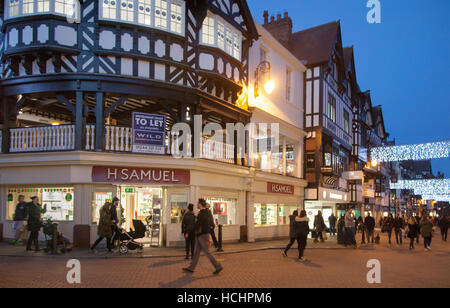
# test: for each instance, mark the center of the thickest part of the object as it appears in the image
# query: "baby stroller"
(62, 244)
(127, 239)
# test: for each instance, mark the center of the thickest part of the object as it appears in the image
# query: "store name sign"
(152, 176)
(280, 189)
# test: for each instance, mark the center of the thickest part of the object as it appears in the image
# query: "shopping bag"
(324, 236)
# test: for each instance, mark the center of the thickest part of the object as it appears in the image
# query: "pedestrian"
(418, 223)
(388, 225)
(350, 229)
(20, 219)
(443, 225)
(341, 237)
(104, 226)
(413, 231)
(213, 226)
(426, 229)
(115, 214)
(319, 226)
(359, 224)
(188, 230)
(203, 231)
(301, 227)
(398, 226)
(34, 224)
(332, 220)
(369, 227)
(292, 236)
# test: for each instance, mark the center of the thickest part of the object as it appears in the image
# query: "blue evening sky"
(404, 61)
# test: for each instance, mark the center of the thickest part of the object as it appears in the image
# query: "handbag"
(324, 236)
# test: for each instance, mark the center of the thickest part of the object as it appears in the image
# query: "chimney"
(266, 17)
(281, 28)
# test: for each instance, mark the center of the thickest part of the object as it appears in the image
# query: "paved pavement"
(263, 268)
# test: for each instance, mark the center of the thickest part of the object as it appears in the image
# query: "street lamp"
(261, 70)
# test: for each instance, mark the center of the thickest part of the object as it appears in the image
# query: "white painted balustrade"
(42, 139)
(218, 151)
(118, 139)
(90, 138)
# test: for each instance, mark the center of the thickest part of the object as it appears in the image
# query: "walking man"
(319, 226)
(188, 230)
(34, 222)
(213, 226)
(332, 220)
(203, 230)
(398, 226)
(369, 227)
(292, 235)
(350, 229)
(20, 217)
(443, 225)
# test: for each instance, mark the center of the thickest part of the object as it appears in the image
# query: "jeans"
(33, 239)
(202, 246)
(398, 234)
(444, 232)
(190, 243)
(332, 230)
(291, 242)
(108, 243)
(19, 228)
(411, 243)
(389, 235)
(370, 237)
(302, 240)
(427, 242)
(214, 239)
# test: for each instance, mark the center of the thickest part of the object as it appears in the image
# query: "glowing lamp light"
(374, 163)
(269, 86)
(56, 123)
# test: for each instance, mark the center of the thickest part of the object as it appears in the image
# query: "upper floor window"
(331, 110)
(167, 15)
(17, 8)
(288, 84)
(346, 121)
(218, 33)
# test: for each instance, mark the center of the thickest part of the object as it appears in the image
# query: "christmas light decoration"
(411, 152)
(438, 189)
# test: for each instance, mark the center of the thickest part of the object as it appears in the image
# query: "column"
(284, 156)
(99, 123)
(79, 121)
(250, 217)
(5, 131)
(298, 158)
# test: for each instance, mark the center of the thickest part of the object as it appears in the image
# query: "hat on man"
(115, 199)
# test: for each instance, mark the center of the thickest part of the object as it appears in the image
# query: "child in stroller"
(127, 239)
(62, 244)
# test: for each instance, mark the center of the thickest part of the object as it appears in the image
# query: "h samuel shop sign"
(280, 189)
(151, 176)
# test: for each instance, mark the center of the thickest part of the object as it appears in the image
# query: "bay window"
(216, 32)
(167, 15)
(67, 8)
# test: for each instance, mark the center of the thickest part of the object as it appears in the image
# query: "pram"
(62, 244)
(127, 239)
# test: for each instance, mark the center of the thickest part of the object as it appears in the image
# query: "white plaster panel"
(13, 37)
(27, 35)
(176, 52)
(127, 66)
(160, 48)
(206, 61)
(160, 72)
(127, 42)
(65, 35)
(42, 33)
(107, 39)
(144, 69)
(144, 45)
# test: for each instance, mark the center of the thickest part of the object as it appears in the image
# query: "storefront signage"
(149, 133)
(150, 176)
(280, 189)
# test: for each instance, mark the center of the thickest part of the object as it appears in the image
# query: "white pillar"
(284, 156)
(250, 217)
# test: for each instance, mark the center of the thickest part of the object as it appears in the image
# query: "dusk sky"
(404, 61)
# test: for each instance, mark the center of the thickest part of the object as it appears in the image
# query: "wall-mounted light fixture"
(263, 70)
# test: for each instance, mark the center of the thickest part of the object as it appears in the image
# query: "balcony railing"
(42, 139)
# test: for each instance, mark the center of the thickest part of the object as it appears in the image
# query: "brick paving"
(252, 269)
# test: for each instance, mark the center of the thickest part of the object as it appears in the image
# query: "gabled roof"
(315, 45)
(348, 56)
(378, 119)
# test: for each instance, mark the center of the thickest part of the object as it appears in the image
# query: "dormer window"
(216, 32)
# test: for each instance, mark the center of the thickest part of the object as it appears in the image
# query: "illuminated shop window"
(59, 201)
(224, 210)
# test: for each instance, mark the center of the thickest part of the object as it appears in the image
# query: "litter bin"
(82, 236)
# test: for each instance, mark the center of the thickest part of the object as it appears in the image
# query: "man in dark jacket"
(34, 222)
(20, 218)
(203, 229)
(292, 235)
(443, 225)
(319, 226)
(369, 227)
(213, 226)
(398, 226)
(332, 220)
(188, 230)
(301, 227)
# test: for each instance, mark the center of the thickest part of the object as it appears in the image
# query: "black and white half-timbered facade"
(72, 74)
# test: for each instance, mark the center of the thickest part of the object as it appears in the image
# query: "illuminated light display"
(438, 189)
(411, 152)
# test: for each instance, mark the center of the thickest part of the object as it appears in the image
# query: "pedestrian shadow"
(182, 282)
(166, 263)
(312, 264)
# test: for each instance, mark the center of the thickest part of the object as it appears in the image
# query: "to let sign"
(151, 176)
(280, 189)
(149, 132)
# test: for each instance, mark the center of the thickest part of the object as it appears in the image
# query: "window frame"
(331, 108)
(51, 9)
(346, 121)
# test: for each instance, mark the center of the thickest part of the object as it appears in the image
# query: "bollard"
(1, 232)
(219, 249)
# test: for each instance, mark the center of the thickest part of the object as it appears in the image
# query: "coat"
(34, 217)
(388, 224)
(319, 224)
(203, 223)
(301, 227)
(332, 220)
(105, 222)
(188, 223)
(369, 223)
(426, 228)
(413, 230)
(291, 226)
(443, 223)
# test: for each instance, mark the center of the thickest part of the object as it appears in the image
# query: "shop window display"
(224, 210)
(265, 214)
(99, 199)
(179, 205)
(284, 211)
(59, 201)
